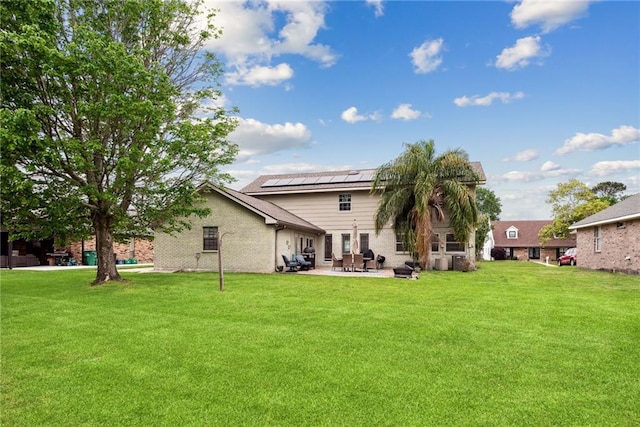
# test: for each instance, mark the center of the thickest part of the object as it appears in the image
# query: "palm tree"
(420, 186)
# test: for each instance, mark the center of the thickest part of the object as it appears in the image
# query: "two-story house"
(321, 207)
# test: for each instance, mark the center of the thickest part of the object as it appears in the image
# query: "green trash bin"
(91, 257)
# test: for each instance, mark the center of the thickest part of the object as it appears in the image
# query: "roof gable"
(272, 213)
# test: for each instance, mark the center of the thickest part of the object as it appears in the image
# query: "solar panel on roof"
(324, 180)
(353, 178)
(339, 178)
(367, 176)
(310, 180)
(270, 183)
(296, 181)
(284, 181)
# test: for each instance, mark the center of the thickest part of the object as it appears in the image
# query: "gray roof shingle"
(629, 208)
(266, 209)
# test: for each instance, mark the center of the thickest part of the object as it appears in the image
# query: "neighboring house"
(489, 243)
(520, 240)
(334, 200)
(253, 233)
(610, 239)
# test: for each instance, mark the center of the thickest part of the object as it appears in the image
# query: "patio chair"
(304, 264)
(291, 265)
(335, 262)
(347, 262)
(358, 262)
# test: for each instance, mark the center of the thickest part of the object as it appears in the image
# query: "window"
(400, 246)
(328, 246)
(344, 202)
(619, 225)
(597, 239)
(453, 245)
(435, 243)
(534, 253)
(512, 233)
(364, 242)
(346, 243)
(210, 238)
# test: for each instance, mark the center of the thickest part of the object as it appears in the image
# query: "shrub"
(498, 254)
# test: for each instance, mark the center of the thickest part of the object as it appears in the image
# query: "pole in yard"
(220, 269)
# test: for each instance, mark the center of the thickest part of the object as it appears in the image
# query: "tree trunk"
(104, 248)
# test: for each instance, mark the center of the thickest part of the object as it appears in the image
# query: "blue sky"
(539, 92)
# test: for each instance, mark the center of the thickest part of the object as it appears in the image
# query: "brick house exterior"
(254, 234)
(138, 248)
(610, 239)
(520, 240)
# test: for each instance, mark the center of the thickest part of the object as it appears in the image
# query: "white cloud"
(485, 101)
(623, 135)
(521, 54)
(350, 115)
(548, 171)
(549, 166)
(255, 32)
(260, 75)
(614, 167)
(405, 112)
(523, 156)
(426, 57)
(256, 138)
(549, 14)
(377, 6)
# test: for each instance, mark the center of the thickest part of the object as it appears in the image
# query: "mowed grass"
(513, 343)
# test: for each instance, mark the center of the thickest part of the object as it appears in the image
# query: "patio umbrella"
(354, 238)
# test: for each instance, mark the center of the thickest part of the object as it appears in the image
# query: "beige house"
(253, 233)
(610, 239)
(289, 214)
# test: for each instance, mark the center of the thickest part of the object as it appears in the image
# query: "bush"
(498, 254)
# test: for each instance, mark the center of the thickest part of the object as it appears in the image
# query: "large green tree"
(104, 128)
(609, 190)
(421, 186)
(488, 203)
(570, 202)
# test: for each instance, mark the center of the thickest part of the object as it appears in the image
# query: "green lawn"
(513, 343)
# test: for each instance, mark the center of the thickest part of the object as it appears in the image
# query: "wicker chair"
(358, 262)
(336, 262)
(347, 262)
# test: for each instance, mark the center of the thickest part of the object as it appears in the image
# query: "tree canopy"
(104, 126)
(420, 186)
(570, 202)
(488, 203)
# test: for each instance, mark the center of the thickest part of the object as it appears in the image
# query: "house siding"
(247, 246)
(322, 210)
(616, 245)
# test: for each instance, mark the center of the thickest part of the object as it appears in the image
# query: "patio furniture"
(347, 262)
(380, 260)
(403, 272)
(291, 265)
(304, 264)
(358, 262)
(335, 262)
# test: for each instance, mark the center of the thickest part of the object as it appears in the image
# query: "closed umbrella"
(354, 238)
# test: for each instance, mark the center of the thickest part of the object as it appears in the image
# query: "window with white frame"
(512, 233)
(452, 245)
(344, 202)
(435, 243)
(400, 246)
(597, 239)
(346, 243)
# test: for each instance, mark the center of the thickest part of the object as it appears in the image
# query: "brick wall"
(248, 245)
(140, 249)
(620, 248)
